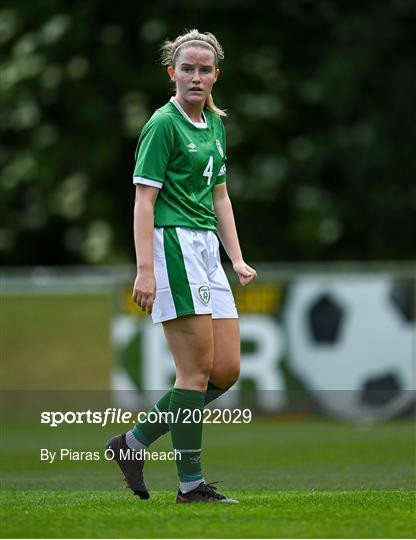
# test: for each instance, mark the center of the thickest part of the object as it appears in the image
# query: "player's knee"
(206, 368)
(227, 377)
(199, 380)
(195, 380)
(232, 376)
(202, 371)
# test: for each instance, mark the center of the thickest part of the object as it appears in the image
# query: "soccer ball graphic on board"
(351, 342)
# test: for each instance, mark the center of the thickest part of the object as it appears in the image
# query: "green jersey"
(185, 160)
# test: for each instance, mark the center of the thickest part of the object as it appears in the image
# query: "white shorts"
(189, 276)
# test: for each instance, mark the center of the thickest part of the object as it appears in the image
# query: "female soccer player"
(181, 201)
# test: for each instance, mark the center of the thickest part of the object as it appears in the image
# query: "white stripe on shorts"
(163, 307)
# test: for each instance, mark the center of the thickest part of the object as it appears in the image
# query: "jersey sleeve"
(222, 173)
(153, 152)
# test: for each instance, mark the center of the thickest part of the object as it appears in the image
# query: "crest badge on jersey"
(204, 294)
(220, 150)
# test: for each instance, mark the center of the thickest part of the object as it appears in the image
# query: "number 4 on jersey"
(208, 169)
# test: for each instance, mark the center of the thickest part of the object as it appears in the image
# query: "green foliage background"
(321, 126)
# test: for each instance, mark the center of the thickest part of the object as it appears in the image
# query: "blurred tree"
(321, 126)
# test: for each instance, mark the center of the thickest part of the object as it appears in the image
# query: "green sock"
(213, 392)
(147, 433)
(186, 431)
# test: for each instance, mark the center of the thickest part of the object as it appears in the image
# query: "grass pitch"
(316, 478)
(260, 514)
(294, 479)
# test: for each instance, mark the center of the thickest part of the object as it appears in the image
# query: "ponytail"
(210, 105)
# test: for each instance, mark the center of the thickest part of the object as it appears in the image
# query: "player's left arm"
(227, 233)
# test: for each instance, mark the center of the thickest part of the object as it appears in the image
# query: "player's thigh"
(191, 341)
(226, 366)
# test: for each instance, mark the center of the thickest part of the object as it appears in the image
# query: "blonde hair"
(197, 39)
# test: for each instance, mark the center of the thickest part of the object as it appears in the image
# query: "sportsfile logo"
(113, 415)
(192, 147)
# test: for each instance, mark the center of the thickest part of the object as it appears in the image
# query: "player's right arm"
(144, 290)
(152, 156)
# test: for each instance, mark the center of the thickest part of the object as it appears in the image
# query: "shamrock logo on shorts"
(204, 294)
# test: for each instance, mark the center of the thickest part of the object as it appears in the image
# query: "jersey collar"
(199, 125)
